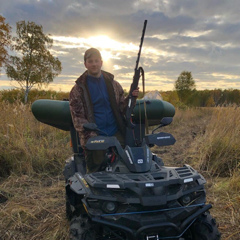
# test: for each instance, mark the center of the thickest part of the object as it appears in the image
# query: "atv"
(134, 196)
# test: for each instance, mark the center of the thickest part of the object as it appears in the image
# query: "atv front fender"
(78, 184)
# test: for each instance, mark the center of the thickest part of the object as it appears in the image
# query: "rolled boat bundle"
(56, 113)
(155, 110)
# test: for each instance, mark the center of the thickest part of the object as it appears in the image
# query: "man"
(97, 97)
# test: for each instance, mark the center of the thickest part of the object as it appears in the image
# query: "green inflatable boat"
(56, 113)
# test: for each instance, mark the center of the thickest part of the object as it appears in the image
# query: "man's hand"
(135, 92)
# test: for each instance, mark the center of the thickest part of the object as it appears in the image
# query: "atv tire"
(81, 228)
(69, 213)
(78, 207)
(204, 228)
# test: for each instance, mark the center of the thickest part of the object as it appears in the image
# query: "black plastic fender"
(78, 184)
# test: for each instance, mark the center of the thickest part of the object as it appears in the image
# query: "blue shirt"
(102, 110)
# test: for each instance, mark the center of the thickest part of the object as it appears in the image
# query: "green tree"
(5, 40)
(184, 86)
(36, 65)
(210, 102)
(217, 95)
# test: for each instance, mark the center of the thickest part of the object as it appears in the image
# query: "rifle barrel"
(141, 43)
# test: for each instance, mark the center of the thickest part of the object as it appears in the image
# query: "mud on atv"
(135, 197)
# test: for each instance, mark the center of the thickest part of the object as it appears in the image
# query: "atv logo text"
(98, 141)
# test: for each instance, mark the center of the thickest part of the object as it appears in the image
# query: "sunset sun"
(108, 46)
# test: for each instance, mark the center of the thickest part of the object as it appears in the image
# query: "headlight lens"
(186, 199)
(109, 207)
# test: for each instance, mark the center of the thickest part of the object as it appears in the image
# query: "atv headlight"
(185, 200)
(193, 198)
(109, 207)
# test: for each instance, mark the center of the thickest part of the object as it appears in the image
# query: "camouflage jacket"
(82, 109)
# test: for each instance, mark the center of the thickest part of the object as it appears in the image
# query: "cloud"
(197, 36)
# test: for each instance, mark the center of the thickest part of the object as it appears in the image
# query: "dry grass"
(199, 134)
(216, 154)
(226, 204)
(27, 146)
(32, 156)
(218, 148)
(186, 127)
(35, 208)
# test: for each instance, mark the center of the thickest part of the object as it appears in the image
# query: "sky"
(199, 36)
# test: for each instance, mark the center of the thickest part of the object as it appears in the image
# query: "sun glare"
(106, 55)
(104, 42)
(109, 48)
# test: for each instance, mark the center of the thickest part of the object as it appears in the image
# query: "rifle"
(129, 139)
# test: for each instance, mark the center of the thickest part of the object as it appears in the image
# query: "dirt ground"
(33, 207)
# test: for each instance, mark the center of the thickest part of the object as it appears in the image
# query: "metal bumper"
(152, 228)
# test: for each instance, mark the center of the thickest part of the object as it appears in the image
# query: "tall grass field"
(32, 157)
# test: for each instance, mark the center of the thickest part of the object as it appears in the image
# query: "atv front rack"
(148, 189)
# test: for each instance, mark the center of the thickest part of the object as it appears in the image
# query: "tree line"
(203, 98)
(187, 95)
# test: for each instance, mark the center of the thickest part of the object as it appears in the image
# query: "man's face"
(93, 65)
